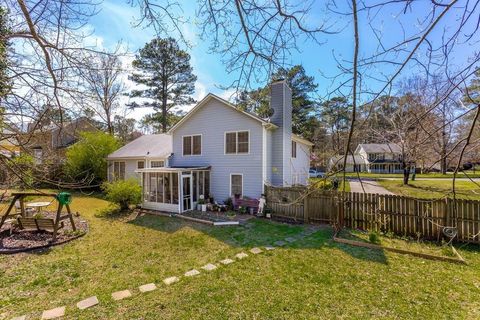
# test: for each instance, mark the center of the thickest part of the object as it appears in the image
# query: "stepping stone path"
(53, 313)
(119, 295)
(209, 267)
(241, 255)
(227, 261)
(87, 303)
(192, 273)
(256, 250)
(280, 243)
(147, 287)
(290, 239)
(269, 248)
(171, 280)
(20, 318)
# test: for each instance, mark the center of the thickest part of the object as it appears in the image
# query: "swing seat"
(38, 224)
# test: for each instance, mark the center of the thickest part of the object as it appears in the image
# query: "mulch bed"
(216, 216)
(22, 240)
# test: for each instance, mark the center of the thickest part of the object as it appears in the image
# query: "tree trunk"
(406, 173)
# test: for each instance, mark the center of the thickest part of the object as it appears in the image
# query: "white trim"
(264, 157)
(230, 183)
(236, 141)
(191, 145)
(223, 101)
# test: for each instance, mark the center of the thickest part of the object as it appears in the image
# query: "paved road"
(368, 185)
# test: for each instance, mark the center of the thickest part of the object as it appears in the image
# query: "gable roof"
(300, 139)
(224, 102)
(380, 147)
(147, 146)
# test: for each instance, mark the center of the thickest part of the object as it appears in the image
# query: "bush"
(374, 237)
(87, 159)
(123, 192)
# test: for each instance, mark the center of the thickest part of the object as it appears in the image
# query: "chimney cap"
(279, 80)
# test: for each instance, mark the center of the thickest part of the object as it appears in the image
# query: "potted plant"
(201, 204)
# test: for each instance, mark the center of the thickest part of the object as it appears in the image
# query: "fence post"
(306, 210)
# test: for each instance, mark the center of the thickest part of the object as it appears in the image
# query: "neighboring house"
(371, 157)
(9, 148)
(217, 151)
(50, 142)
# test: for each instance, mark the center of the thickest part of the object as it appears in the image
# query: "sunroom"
(174, 189)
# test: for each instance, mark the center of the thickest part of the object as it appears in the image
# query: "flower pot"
(199, 207)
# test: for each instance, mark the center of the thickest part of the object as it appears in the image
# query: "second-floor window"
(237, 142)
(192, 145)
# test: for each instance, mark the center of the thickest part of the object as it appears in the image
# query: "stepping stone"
(226, 261)
(20, 318)
(192, 273)
(147, 287)
(280, 243)
(171, 280)
(119, 295)
(209, 267)
(53, 313)
(290, 239)
(87, 303)
(241, 255)
(269, 248)
(256, 250)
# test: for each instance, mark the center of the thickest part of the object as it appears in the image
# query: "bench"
(247, 203)
(37, 224)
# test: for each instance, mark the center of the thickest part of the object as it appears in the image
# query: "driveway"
(369, 186)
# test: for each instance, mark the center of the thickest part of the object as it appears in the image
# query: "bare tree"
(104, 86)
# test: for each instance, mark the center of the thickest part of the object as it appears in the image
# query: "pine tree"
(165, 70)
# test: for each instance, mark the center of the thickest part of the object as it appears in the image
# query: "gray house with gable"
(216, 150)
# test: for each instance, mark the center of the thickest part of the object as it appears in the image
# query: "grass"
(418, 175)
(340, 188)
(312, 278)
(432, 189)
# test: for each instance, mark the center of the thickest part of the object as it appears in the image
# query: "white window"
(294, 149)
(236, 184)
(192, 145)
(118, 170)
(157, 164)
(140, 164)
(237, 142)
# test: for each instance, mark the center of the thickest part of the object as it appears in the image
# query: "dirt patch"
(19, 240)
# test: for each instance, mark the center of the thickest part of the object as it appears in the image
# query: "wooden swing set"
(31, 223)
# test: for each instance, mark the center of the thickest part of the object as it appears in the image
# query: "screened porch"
(174, 189)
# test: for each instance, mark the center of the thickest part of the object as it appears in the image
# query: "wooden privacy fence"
(428, 219)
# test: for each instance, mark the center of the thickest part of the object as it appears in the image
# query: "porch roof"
(172, 169)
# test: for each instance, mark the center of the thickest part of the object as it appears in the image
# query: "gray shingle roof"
(147, 146)
(380, 147)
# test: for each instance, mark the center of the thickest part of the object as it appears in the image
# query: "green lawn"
(313, 278)
(425, 175)
(430, 189)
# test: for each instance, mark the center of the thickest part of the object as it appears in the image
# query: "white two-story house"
(216, 151)
(371, 157)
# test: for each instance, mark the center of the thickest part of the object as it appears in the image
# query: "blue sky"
(115, 22)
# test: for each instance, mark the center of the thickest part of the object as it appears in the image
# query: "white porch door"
(186, 192)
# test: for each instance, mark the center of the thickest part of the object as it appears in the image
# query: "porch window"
(294, 149)
(118, 170)
(236, 184)
(157, 164)
(237, 142)
(192, 145)
(161, 187)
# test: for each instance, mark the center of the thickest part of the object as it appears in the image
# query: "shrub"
(87, 159)
(123, 192)
(374, 237)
